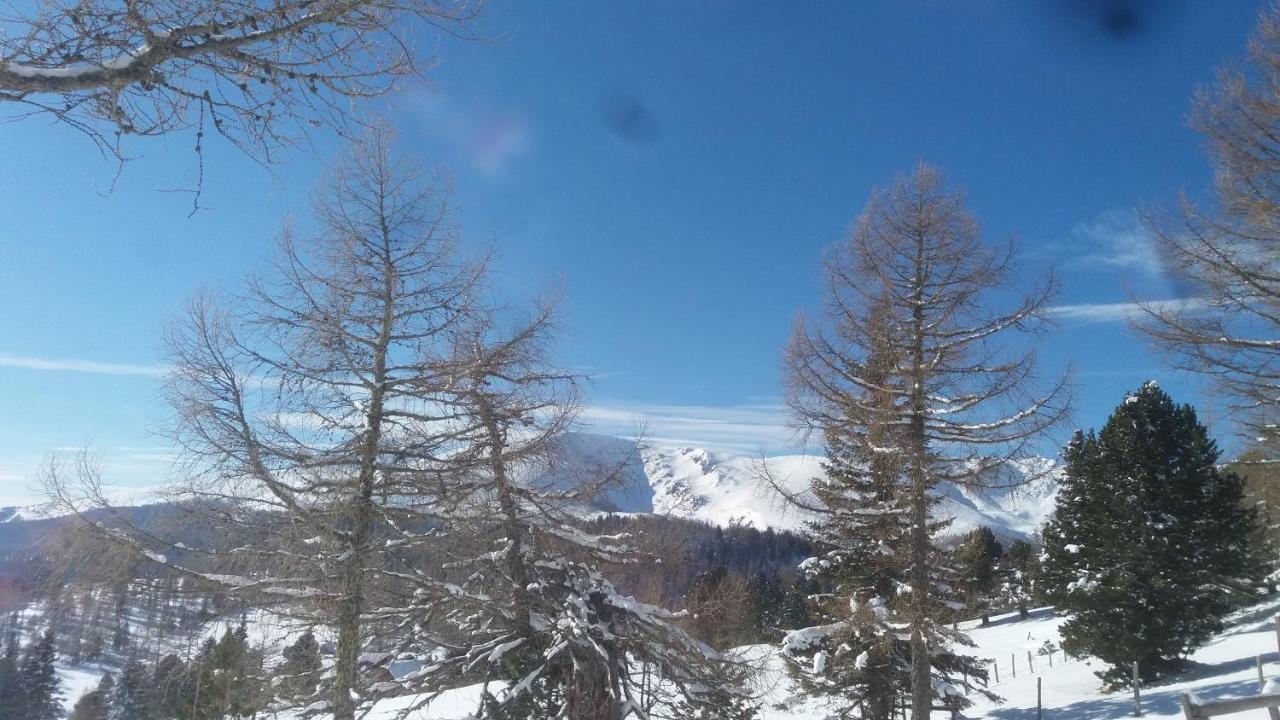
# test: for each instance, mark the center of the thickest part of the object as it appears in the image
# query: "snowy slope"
(723, 487)
(1225, 668)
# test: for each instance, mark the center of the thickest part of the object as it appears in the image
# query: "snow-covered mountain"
(723, 487)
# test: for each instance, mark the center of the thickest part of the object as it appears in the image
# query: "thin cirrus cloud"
(1088, 313)
(1116, 240)
(746, 428)
(77, 365)
(753, 428)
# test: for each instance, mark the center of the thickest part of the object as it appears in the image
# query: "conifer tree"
(352, 332)
(230, 688)
(916, 378)
(793, 612)
(93, 644)
(203, 698)
(765, 597)
(41, 688)
(301, 665)
(977, 556)
(11, 693)
(1149, 547)
(1018, 574)
(131, 699)
(171, 688)
(120, 626)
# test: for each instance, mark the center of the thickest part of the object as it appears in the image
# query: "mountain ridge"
(723, 487)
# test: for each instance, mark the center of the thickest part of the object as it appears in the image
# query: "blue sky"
(681, 166)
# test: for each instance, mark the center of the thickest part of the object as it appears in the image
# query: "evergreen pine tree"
(793, 612)
(230, 689)
(41, 689)
(120, 628)
(75, 649)
(93, 645)
(977, 556)
(857, 651)
(1150, 545)
(301, 666)
(1018, 573)
(171, 688)
(203, 702)
(765, 595)
(131, 699)
(11, 699)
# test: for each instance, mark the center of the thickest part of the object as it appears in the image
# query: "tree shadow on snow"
(1155, 701)
(1012, 619)
(1255, 619)
(1197, 671)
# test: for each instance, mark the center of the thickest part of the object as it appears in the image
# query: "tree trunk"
(510, 508)
(921, 689)
(346, 663)
(350, 606)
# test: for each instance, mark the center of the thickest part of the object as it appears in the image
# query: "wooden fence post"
(1137, 693)
(1188, 709)
(996, 666)
(1278, 633)
(1031, 666)
(1051, 658)
(1013, 664)
(1039, 704)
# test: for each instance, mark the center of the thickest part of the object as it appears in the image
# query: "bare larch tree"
(1228, 249)
(308, 407)
(260, 73)
(915, 379)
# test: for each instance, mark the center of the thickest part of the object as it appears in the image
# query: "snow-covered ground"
(1225, 668)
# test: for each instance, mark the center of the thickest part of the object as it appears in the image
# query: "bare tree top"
(1225, 249)
(917, 303)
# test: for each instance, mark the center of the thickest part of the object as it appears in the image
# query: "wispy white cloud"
(1087, 313)
(749, 428)
(1116, 239)
(28, 362)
